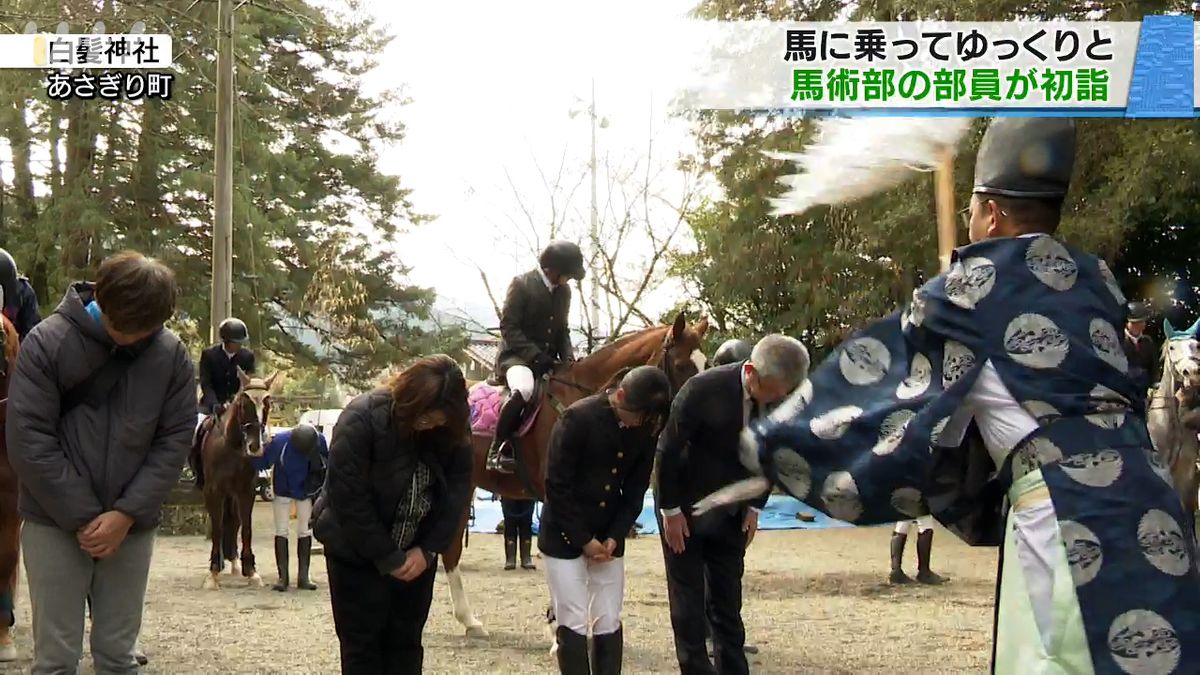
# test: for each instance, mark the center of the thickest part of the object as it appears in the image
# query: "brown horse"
(228, 449)
(10, 520)
(674, 348)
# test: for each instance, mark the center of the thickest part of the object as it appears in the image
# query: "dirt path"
(814, 603)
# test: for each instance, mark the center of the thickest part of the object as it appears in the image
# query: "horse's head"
(1182, 355)
(681, 354)
(251, 409)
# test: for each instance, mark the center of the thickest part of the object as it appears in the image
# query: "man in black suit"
(534, 336)
(698, 454)
(219, 381)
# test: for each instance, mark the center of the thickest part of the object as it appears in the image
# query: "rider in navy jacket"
(298, 458)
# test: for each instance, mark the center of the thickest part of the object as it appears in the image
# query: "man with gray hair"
(698, 452)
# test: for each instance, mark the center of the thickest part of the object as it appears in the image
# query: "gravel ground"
(815, 602)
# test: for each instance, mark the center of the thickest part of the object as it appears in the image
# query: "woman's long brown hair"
(432, 383)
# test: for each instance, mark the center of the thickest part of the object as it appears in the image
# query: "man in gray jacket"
(101, 411)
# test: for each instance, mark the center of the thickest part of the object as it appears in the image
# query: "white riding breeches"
(281, 508)
(924, 524)
(586, 594)
(520, 379)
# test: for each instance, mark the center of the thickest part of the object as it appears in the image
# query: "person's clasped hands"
(103, 536)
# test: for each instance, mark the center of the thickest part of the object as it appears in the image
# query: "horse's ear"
(679, 327)
(270, 382)
(702, 326)
(243, 377)
(1169, 330)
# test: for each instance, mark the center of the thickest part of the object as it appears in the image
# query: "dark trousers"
(518, 517)
(379, 620)
(714, 554)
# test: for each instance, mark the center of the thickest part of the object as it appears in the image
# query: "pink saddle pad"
(486, 401)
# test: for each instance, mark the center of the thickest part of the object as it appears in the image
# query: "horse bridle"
(248, 427)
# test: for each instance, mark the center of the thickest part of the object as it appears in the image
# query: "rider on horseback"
(20, 303)
(534, 337)
(219, 381)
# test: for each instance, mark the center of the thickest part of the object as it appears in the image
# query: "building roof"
(483, 350)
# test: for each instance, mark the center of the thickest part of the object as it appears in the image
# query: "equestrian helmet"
(8, 278)
(732, 351)
(234, 330)
(565, 258)
(647, 390)
(1139, 311)
(303, 438)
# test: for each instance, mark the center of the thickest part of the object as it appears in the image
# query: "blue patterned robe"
(860, 439)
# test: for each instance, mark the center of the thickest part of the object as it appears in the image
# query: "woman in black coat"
(600, 458)
(398, 482)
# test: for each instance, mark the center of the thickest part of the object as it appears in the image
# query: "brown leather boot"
(510, 552)
(924, 548)
(526, 553)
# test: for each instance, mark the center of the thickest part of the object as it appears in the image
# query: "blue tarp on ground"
(780, 514)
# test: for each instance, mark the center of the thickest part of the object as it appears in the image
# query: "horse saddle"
(486, 400)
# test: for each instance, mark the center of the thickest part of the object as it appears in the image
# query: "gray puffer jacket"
(124, 455)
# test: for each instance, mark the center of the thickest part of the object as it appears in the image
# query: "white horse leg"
(212, 581)
(8, 650)
(254, 581)
(462, 607)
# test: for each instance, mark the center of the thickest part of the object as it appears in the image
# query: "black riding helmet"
(234, 330)
(732, 351)
(647, 390)
(1139, 311)
(8, 278)
(565, 258)
(304, 439)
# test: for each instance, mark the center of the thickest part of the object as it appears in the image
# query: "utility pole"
(222, 256)
(595, 232)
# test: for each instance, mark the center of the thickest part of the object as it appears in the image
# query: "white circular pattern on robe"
(794, 472)
(1040, 410)
(794, 404)
(1110, 280)
(891, 431)
(1035, 341)
(907, 500)
(1051, 263)
(1034, 454)
(957, 361)
(1094, 469)
(1108, 345)
(1163, 544)
(840, 494)
(935, 437)
(1144, 643)
(833, 424)
(916, 310)
(1108, 408)
(920, 376)
(970, 281)
(1083, 551)
(865, 361)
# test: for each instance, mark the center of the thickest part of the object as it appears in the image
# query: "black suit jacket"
(597, 475)
(218, 375)
(698, 448)
(533, 325)
(1143, 356)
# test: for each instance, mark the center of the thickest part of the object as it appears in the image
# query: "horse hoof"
(8, 652)
(233, 569)
(477, 633)
(211, 583)
(254, 581)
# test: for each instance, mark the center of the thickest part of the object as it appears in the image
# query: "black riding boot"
(281, 563)
(898, 576)
(510, 551)
(572, 652)
(606, 653)
(924, 548)
(500, 455)
(304, 556)
(526, 557)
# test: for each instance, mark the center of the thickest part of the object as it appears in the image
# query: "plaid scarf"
(413, 507)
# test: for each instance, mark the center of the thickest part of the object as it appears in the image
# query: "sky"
(493, 95)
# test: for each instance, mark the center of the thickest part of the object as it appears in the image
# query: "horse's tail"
(230, 523)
